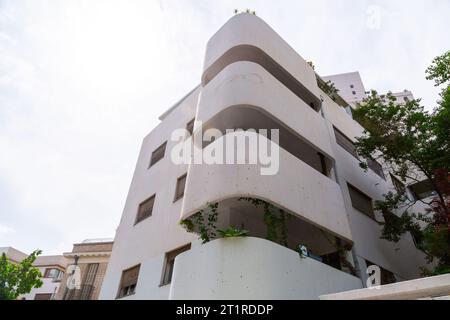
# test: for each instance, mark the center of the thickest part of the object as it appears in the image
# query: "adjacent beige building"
(87, 262)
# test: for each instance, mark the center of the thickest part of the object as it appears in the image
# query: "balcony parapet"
(247, 83)
(253, 268)
(248, 38)
(296, 187)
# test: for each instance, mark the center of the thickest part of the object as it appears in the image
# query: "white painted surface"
(253, 268)
(247, 83)
(296, 187)
(437, 287)
(247, 29)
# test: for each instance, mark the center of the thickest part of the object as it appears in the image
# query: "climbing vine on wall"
(329, 88)
(204, 222)
(342, 251)
(275, 220)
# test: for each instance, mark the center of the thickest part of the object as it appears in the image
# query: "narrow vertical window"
(190, 126)
(170, 262)
(179, 190)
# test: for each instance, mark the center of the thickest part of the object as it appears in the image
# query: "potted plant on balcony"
(233, 232)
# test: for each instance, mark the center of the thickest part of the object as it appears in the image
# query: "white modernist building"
(321, 198)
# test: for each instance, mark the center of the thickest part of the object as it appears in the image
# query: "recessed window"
(352, 86)
(376, 167)
(145, 209)
(190, 126)
(128, 282)
(361, 202)
(179, 190)
(345, 142)
(398, 185)
(158, 154)
(354, 93)
(53, 273)
(386, 276)
(170, 262)
(43, 296)
(89, 280)
(422, 190)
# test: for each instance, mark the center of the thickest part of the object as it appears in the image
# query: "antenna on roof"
(253, 12)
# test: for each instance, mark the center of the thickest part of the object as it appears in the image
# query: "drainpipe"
(66, 290)
(357, 267)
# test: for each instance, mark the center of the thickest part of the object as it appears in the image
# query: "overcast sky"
(82, 82)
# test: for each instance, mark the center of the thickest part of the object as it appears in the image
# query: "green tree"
(18, 279)
(414, 145)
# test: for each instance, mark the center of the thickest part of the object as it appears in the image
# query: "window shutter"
(130, 276)
(376, 167)
(145, 209)
(181, 182)
(361, 202)
(345, 142)
(158, 154)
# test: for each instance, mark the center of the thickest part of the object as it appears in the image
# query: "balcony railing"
(83, 293)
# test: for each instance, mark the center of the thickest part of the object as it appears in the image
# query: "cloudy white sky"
(82, 82)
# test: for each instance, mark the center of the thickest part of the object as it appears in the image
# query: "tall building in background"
(52, 269)
(352, 90)
(89, 259)
(330, 232)
(350, 86)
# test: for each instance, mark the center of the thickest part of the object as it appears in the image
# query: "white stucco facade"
(252, 77)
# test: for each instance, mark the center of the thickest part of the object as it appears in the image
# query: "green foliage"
(232, 232)
(394, 226)
(203, 222)
(274, 218)
(18, 279)
(439, 71)
(329, 88)
(413, 144)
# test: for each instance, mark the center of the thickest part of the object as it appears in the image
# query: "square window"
(128, 281)
(361, 202)
(145, 209)
(345, 142)
(376, 167)
(158, 154)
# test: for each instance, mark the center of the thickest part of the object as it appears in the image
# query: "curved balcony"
(252, 268)
(249, 84)
(248, 38)
(296, 187)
